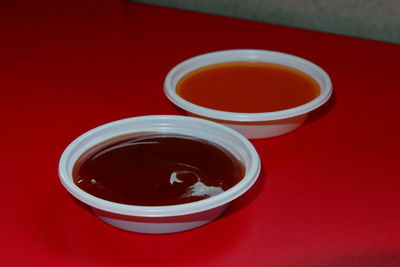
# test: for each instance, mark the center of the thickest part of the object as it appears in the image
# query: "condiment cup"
(162, 219)
(251, 125)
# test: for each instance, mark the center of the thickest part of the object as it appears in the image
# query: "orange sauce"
(247, 87)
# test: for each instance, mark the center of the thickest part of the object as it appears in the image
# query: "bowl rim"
(251, 174)
(186, 66)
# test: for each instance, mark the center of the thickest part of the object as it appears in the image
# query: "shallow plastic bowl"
(251, 125)
(162, 219)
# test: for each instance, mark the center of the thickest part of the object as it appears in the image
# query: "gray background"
(370, 19)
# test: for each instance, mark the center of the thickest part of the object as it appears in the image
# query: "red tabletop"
(328, 194)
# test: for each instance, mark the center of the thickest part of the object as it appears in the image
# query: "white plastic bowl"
(251, 125)
(162, 219)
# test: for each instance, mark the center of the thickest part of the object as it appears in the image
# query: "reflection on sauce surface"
(153, 169)
(247, 87)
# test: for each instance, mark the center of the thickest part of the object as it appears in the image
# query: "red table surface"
(328, 194)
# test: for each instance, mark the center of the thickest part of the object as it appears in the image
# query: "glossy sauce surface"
(247, 87)
(153, 169)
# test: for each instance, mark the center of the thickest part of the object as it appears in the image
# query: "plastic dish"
(162, 219)
(251, 125)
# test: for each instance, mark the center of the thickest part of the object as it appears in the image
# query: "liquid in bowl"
(156, 169)
(247, 87)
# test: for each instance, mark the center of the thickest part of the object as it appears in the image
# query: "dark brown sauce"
(155, 169)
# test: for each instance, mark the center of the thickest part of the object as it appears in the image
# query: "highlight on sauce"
(247, 87)
(156, 169)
